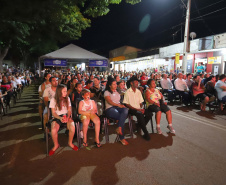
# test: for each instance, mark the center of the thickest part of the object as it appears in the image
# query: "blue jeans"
(119, 114)
(224, 99)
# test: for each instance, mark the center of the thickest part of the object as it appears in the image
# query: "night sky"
(152, 23)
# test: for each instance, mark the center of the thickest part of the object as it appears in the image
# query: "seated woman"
(2, 94)
(121, 89)
(61, 113)
(88, 109)
(9, 88)
(198, 91)
(155, 103)
(114, 109)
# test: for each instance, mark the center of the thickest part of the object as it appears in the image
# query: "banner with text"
(214, 60)
(98, 63)
(55, 62)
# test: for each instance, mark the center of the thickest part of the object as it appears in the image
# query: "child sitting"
(88, 109)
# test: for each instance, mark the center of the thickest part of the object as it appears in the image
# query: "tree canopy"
(37, 26)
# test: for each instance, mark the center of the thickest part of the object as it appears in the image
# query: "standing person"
(114, 109)
(88, 109)
(61, 112)
(199, 68)
(133, 99)
(155, 103)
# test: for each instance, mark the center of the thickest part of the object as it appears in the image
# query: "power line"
(207, 6)
(204, 22)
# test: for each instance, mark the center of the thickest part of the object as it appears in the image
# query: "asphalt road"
(196, 154)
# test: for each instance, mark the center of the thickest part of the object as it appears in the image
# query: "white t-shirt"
(64, 107)
(18, 81)
(220, 92)
(115, 97)
(22, 79)
(49, 93)
(14, 84)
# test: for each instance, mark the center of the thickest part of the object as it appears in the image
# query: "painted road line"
(212, 124)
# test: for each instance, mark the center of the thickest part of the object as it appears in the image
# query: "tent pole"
(39, 66)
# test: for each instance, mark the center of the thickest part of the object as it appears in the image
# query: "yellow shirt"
(154, 96)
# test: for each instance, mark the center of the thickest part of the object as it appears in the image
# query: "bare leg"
(158, 118)
(169, 117)
(71, 127)
(85, 123)
(54, 131)
(45, 120)
(96, 121)
(205, 101)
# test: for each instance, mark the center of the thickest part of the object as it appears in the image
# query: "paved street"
(195, 155)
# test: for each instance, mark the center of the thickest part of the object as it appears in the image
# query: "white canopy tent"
(71, 52)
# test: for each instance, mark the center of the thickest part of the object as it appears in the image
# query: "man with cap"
(134, 101)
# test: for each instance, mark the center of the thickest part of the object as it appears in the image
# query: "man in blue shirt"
(200, 69)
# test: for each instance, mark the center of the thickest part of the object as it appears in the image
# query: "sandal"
(85, 144)
(98, 145)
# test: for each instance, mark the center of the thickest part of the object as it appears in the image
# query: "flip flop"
(98, 145)
(85, 144)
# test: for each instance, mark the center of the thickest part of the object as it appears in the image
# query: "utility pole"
(186, 36)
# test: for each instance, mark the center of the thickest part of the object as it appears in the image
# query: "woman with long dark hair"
(61, 113)
(114, 109)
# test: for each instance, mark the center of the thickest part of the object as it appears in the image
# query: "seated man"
(182, 89)
(189, 80)
(167, 87)
(198, 91)
(133, 100)
(221, 89)
(48, 94)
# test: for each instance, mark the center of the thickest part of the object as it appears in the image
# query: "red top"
(6, 85)
(201, 89)
(144, 80)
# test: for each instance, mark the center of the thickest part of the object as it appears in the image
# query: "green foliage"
(37, 26)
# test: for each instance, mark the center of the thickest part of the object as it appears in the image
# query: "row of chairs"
(16, 95)
(104, 126)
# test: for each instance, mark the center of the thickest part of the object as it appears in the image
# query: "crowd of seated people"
(12, 84)
(118, 95)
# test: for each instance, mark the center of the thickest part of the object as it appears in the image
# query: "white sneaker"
(171, 129)
(81, 134)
